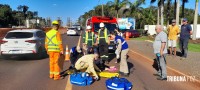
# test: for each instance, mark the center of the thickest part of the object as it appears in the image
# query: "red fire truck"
(109, 22)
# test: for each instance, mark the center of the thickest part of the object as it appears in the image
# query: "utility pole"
(102, 10)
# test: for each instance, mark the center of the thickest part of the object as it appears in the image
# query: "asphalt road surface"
(28, 74)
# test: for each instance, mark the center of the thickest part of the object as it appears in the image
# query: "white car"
(72, 31)
(23, 42)
(78, 27)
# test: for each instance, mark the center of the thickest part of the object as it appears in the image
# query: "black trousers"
(103, 51)
(184, 46)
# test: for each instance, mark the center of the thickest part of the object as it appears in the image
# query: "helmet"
(88, 27)
(101, 25)
(55, 22)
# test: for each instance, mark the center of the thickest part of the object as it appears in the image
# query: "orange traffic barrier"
(67, 54)
(127, 36)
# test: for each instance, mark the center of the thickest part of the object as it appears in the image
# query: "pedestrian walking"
(89, 40)
(173, 31)
(160, 50)
(122, 50)
(53, 45)
(87, 62)
(103, 42)
(186, 31)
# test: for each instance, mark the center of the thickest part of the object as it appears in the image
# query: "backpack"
(81, 79)
(116, 83)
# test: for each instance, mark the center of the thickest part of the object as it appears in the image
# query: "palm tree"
(177, 12)
(25, 9)
(19, 14)
(195, 20)
(134, 7)
(20, 8)
(160, 11)
(117, 5)
(35, 14)
(174, 9)
(168, 11)
(183, 7)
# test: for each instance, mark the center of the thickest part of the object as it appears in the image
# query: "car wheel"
(39, 54)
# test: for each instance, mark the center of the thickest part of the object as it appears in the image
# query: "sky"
(68, 8)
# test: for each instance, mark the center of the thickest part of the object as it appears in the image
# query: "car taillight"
(3, 41)
(31, 41)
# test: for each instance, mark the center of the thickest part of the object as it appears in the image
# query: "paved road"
(33, 75)
(22, 74)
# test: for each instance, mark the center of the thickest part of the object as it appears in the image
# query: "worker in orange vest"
(53, 45)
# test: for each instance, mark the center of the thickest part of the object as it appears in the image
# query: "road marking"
(138, 54)
(68, 85)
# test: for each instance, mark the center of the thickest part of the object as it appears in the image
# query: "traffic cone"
(67, 54)
(127, 36)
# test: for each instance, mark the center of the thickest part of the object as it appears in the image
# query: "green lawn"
(192, 47)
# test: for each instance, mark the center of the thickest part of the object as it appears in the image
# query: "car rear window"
(19, 35)
(72, 28)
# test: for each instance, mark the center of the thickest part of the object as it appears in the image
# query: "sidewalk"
(190, 66)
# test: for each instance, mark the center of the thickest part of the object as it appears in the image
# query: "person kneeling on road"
(87, 62)
(122, 49)
(75, 54)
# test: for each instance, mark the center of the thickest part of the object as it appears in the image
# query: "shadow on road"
(178, 53)
(131, 67)
(24, 58)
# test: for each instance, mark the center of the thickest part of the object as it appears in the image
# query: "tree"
(25, 9)
(195, 20)
(183, 7)
(158, 10)
(35, 14)
(117, 5)
(5, 15)
(29, 14)
(168, 11)
(143, 16)
(134, 8)
(177, 12)
(20, 8)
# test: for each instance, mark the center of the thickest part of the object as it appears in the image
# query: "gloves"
(116, 52)
(96, 78)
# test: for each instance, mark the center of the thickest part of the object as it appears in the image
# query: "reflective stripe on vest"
(52, 41)
(87, 38)
(105, 35)
(124, 42)
(55, 73)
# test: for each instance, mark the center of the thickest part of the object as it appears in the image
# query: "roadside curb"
(175, 71)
